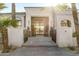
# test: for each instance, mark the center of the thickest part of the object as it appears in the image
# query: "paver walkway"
(40, 41)
(39, 46)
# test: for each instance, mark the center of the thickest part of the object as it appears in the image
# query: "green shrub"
(76, 34)
(14, 23)
(6, 22)
(26, 34)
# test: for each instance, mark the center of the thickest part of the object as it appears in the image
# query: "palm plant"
(13, 11)
(2, 6)
(7, 22)
(4, 24)
(75, 17)
(62, 7)
(74, 13)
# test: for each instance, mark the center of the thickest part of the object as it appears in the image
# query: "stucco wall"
(15, 36)
(65, 34)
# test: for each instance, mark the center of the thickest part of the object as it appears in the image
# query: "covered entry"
(39, 25)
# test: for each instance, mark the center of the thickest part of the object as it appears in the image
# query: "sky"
(20, 6)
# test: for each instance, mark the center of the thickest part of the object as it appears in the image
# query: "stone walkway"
(40, 46)
(39, 41)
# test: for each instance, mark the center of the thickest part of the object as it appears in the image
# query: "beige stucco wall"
(65, 34)
(15, 36)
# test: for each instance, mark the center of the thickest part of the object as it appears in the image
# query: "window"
(68, 23)
(65, 23)
(19, 21)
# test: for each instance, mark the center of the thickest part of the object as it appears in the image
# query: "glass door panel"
(39, 28)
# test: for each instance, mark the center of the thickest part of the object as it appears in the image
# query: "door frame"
(40, 17)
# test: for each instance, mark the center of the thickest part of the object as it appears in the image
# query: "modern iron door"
(39, 25)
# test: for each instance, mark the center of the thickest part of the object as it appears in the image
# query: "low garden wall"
(15, 36)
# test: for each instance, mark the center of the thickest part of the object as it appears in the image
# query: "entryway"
(39, 25)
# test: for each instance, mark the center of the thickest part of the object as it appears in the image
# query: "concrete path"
(39, 41)
(40, 46)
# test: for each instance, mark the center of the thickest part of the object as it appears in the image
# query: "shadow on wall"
(53, 34)
(25, 32)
